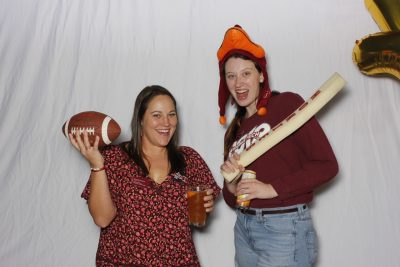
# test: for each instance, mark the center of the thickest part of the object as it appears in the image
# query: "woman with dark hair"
(136, 191)
(277, 228)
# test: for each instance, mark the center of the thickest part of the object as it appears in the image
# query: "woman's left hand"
(209, 200)
(255, 189)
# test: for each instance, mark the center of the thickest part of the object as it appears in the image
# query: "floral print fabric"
(151, 227)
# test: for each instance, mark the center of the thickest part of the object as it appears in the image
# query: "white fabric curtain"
(59, 58)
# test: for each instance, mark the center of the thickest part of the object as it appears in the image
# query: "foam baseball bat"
(290, 124)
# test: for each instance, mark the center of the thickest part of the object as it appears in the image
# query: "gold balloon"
(379, 54)
(386, 13)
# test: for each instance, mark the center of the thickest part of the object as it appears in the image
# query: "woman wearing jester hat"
(277, 228)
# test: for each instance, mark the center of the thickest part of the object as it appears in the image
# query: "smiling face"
(159, 122)
(243, 81)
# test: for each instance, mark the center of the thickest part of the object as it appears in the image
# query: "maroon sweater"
(294, 167)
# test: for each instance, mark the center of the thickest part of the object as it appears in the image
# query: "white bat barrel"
(291, 123)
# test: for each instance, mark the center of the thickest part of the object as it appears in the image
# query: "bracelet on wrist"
(97, 169)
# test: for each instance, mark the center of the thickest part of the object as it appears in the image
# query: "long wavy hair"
(234, 126)
(134, 146)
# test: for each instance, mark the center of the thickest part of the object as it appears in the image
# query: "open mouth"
(164, 131)
(242, 94)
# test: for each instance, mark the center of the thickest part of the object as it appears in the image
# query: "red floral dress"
(151, 227)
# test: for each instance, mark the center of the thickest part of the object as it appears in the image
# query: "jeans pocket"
(279, 242)
(307, 241)
(312, 245)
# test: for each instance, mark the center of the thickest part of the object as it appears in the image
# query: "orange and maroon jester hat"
(236, 41)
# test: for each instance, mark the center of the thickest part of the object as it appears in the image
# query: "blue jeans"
(274, 240)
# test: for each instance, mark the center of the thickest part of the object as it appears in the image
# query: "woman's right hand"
(232, 165)
(229, 166)
(90, 153)
(100, 203)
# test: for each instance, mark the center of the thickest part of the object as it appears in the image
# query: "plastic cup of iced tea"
(196, 209)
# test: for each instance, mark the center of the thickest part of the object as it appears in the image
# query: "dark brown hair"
(231, 132)
(134, 146)
(233, 128)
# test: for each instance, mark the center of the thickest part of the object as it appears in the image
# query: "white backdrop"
(59, 57)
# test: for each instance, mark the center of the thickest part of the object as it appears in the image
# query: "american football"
(95, 123)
